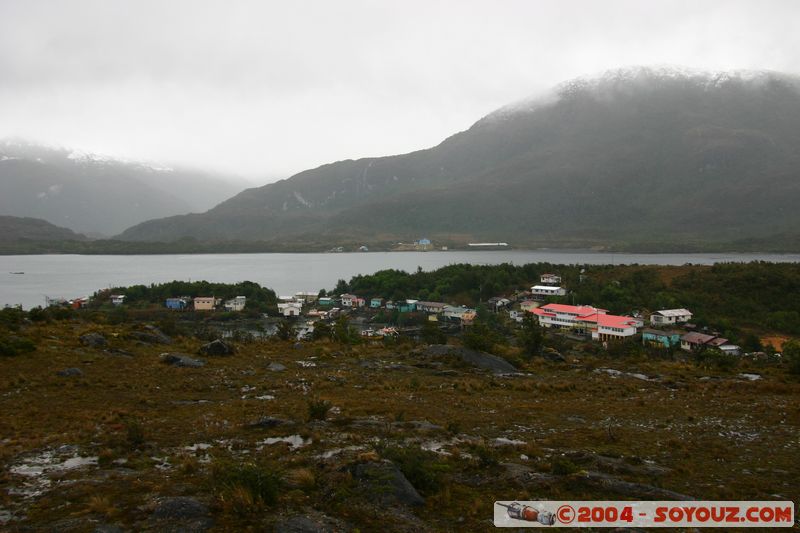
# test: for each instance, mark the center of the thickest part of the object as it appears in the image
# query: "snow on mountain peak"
(612, 80)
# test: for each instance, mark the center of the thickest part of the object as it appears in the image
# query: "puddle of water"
(46, 463)
(294, 441)
(750, 377)
(162, 463)
(197, 446)
(502, 441)
(36, 469)
(618, 373)
(336, 451)
(435, 447)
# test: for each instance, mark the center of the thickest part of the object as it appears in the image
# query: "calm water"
(70, 276)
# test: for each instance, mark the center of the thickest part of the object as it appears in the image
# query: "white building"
(348, 300)
(551, 279)
(585, 320)
(117, 299)
(544, 291)
(463, 314)
(236, 304)
(290, 308)
(666, 317)
(306, 297)
(431, 307)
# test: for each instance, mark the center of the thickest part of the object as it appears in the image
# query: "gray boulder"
(301, 524)
(180, 514)
(276, 367)
(182, 360)
(70, 372)
(152, 336)
(217, 347)
(607, 483)
(554, 356)
(266, 422)
(387, 484)
(107, 528)
(95, 340)
(496, 364)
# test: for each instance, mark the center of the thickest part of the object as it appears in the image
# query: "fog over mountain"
(266, 89)
(92, 194)
(640, 154)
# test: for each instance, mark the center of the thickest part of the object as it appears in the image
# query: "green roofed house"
(663, 338)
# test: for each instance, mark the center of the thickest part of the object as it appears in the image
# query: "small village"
(377, 317)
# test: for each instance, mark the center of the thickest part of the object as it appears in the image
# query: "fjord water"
(71, 276)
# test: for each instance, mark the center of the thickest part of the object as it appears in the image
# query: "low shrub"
(12, 345)
(245, 487)
(318, 409)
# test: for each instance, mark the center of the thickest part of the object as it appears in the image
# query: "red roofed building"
(586, 320)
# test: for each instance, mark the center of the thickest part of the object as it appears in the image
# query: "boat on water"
(16, 272)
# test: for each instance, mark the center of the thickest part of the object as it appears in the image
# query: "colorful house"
(177, 304)
(586, 320)
(695, 340)
(376, 303)
(408, 306)
(430, 307)
(657, 337)
(348, 300)
(204, 303)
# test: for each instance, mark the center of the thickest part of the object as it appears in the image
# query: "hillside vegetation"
(103, 431)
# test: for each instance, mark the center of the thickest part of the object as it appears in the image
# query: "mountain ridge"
(96, 194)
(631, 156)
(14, 229)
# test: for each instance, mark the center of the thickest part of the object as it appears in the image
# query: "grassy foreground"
(114, 440)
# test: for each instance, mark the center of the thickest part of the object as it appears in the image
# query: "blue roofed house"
(177, 304)
(657, 337)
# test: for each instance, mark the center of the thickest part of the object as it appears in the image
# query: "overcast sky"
(266, 89)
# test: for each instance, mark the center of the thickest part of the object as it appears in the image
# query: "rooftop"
(673, 312)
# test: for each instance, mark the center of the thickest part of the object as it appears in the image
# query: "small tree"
(480, 337)
(531, 336)
(343, 333)
(285, 331)
(431, 334)
(791, 353)
(321, 331)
